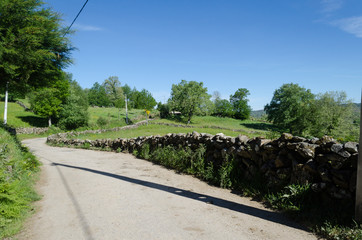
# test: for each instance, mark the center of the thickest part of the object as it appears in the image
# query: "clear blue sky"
(226, 44)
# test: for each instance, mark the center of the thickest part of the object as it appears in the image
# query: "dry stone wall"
(330, 167)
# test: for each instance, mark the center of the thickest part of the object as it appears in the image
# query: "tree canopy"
(187, 97)
(33, 48)
(239, 101)
(289, 108)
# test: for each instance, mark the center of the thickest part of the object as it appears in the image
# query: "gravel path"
(104, 195)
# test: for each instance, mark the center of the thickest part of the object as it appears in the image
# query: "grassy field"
(153, 129)
(18, 117)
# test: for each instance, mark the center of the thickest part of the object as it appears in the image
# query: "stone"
(351, 147)
(310, 166)
(285, 137)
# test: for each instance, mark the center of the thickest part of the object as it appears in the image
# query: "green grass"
(114, 117)
(153, 129)
(18, 117)
(18, 171)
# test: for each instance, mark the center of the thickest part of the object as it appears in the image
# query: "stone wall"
(330, 167)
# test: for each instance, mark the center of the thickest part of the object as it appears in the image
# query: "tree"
(187, 97)
(223, 108)
(97, 96)
(144, 100)
(74, 113)
(46, 102)
(331, 114)
(240, 105)
(114, 90)
(33, 47)
(289, 108)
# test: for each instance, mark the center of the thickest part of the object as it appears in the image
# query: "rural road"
(104, 195)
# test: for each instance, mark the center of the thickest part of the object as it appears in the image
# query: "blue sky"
(226, 44)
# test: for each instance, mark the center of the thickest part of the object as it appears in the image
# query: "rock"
(310, 166)
(319, 187)
(242, 139)
(336, 148)
(298, 139)
(351, 147)
(285, 137)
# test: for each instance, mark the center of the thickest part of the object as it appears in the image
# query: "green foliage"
(291, 198)
(187, 97)
(164, 110)
(97, 96)
(101, 121)
(17, 169)
(33, 47)
(143, 99)
(239, 101)
(74, 113)
(289, 108)
(331, 114)
(46, 102)
(223, 108)
(114, 91)
(335, 232)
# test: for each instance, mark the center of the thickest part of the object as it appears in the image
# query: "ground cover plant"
(18, 170)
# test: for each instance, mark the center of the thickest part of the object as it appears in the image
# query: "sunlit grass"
(18, 117)
(153, 129)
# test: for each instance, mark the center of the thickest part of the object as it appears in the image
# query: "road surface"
(105, 195)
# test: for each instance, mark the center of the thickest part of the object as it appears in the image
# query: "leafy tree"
(97, 96)
(144, 100)
(187, 97)
(331, 114)
(74, 113)
(240, 105)
(33, 48)
(164, 110)
(290, 107)
(223, 108)
(46, 102)
(114, 90)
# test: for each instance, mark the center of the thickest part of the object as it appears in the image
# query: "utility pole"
(6, 105)
(126, 109)
(358, 207)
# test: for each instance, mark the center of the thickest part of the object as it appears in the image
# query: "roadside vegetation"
(18, 171)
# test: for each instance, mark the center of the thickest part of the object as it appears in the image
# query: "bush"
(101, 121)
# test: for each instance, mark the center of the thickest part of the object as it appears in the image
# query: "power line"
(75, 18)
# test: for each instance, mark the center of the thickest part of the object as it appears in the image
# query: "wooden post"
(358, 209)
(126, 109)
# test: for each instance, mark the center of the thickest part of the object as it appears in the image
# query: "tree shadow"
(34, 121)
(222, 203)
(261, 126)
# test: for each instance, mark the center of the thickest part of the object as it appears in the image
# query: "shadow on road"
(260, 213)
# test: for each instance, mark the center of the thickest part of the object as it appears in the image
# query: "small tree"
(114, 90)
(240, 105)
(97, 96)
(46, 103)
(187, 97)
(74, 113)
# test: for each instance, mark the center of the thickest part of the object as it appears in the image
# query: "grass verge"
(18, 172)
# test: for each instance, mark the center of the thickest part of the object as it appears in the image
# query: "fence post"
(358, 207)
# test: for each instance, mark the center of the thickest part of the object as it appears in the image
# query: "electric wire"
(75, 18)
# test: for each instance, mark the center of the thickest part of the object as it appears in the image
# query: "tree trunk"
(50, 121)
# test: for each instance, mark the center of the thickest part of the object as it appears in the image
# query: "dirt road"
(104, 195)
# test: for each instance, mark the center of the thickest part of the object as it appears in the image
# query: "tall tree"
(97, 96)
(114, 90)
(33, 48)
(289, 108)
(144, 100)
(74, 112)
(239, 101)
(223, 108)
(187, 97)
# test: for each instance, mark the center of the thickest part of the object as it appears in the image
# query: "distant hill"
(257, 113)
